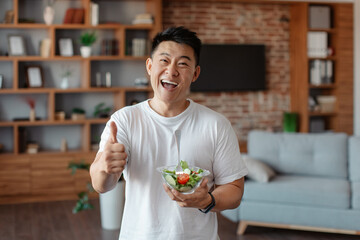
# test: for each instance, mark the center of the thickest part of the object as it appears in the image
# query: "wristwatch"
(210, 206)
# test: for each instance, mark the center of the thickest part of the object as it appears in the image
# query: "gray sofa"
(316, 186)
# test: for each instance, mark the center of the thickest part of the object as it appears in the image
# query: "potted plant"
(87, 39)
(83, 201)
(78, 114)
(101, 111)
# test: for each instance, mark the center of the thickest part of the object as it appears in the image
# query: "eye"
(163, 60)
(183, 64)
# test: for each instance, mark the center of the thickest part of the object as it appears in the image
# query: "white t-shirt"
(208, 141)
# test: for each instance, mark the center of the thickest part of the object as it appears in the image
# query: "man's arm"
(228, 196)
(108, 165)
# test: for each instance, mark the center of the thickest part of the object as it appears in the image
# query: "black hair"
(178, 35)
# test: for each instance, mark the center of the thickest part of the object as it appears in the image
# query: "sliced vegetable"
(183, 178)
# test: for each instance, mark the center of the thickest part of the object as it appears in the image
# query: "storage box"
(326, 103)
(319, 17)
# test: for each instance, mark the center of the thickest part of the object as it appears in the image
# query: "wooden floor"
(55, 221)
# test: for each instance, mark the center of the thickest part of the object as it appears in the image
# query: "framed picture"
(16, 45)
(34, 76)
(66, 47)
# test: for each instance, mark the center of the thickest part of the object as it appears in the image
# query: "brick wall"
(243, 23)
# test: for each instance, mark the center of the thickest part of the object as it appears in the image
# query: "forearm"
(228, 196)
(102, 181)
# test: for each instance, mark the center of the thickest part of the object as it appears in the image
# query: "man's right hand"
(108, 165)
(113, 158)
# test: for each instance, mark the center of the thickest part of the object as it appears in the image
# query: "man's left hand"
(199, 199)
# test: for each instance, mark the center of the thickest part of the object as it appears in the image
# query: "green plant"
(101, 110)
(88, 38)
(78, 110)
(83, 201)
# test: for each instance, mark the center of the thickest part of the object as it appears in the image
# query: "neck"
(169, 109)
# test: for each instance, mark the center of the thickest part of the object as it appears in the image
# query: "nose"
(172, 70)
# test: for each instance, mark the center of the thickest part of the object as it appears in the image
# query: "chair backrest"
(354, 158)
(316, 154)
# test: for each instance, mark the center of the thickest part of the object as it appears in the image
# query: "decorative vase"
(64, 83)
(49, 15)
(111, 207)
(32, 116)
(85, 51)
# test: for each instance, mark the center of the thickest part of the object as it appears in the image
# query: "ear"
(196, 73)
(148, 65)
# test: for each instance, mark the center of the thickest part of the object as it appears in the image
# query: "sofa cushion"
(258, 170)
(300, 190)
(354, 158)
(314, 154)
(355, 190)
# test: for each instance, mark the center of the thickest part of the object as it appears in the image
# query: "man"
(140, 138)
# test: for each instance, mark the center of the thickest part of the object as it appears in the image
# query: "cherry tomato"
(183, 178)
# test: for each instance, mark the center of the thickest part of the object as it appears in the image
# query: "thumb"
(113, 132)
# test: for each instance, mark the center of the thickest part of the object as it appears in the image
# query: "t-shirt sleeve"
(228, 163)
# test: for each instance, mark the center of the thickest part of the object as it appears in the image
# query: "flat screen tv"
(231, 68)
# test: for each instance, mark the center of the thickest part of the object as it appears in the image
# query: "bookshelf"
(322, 104)
(44, 176)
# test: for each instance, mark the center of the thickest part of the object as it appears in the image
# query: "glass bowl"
(171, 178)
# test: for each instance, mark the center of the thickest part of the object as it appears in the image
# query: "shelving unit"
(44, 176)
(340, 39)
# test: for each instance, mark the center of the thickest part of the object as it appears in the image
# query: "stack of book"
(321, 72)
(144, 18)
(110, 47)
(74, 16)
(139, 47)
(317, 44)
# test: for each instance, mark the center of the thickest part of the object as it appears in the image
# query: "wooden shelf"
(341, 40)
(47, 132)
(329, 85)
(322, 114)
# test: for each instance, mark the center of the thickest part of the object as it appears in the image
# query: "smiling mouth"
(168, 84)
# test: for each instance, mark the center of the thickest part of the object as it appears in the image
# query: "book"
(143, 18)
(94, 13)
(315, 74)
(329, 72)
(317, 44)
(78, 16)
(69, 14)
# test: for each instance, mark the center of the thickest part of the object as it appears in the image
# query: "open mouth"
(168, 84)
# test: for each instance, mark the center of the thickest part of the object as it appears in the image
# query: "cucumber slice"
(187, 171)
(170, 180)
(185, 189)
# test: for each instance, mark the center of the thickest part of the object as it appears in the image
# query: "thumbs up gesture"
(113, 158)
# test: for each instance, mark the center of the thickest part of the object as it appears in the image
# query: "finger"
(167, 190)
(178, 195)
(204, 183)
(117, 147)
(113, 132)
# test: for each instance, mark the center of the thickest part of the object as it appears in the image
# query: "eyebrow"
(168, 55)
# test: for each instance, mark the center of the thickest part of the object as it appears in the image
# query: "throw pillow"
(258, 170)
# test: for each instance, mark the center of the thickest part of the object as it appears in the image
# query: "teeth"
(169, 82)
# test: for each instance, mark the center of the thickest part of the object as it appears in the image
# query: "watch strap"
(210, 206)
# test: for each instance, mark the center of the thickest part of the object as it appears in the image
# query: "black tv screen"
(231, 68)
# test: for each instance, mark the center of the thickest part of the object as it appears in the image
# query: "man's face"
(172, 69)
